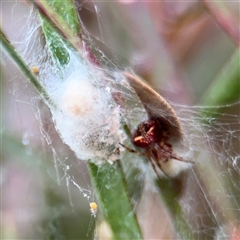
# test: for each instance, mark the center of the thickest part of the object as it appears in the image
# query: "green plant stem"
(25, 69)
(114, 202)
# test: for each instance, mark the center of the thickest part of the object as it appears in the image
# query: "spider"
(152, 136)
(93, 208)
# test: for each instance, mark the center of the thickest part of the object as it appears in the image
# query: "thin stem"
(25, 69)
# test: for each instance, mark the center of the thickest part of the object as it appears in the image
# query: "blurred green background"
(177, 47)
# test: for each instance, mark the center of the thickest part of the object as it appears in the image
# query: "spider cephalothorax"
(148, 133)
(152, 136)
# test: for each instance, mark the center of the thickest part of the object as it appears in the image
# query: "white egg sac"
(88, 119)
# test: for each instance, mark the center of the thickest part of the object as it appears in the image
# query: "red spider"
(152, 136)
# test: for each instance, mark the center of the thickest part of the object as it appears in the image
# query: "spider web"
(211, 192)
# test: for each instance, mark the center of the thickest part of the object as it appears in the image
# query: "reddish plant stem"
(224, 19)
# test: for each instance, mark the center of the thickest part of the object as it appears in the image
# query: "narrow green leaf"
(225, 89)
(56, 42)
(66, 9)
(114, 202)
(61, 23)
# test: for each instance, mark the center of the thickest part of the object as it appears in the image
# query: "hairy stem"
(25, 69)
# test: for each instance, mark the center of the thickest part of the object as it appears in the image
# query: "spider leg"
(160, 166)
(153, 165)
(175, 157)
(131, 150)
(167, 151)
(155, 160)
